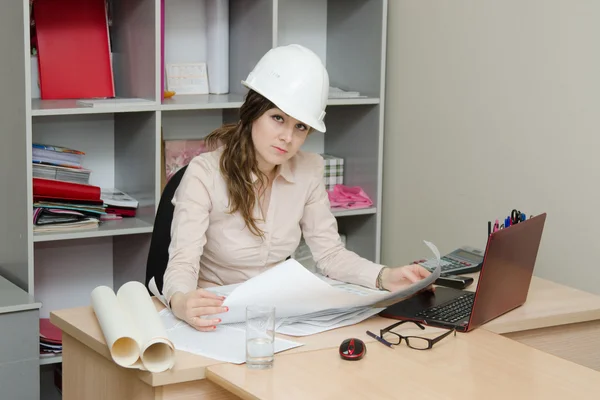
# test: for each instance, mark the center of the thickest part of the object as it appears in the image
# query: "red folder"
(73, 49)
(61, 189)
(49, 332)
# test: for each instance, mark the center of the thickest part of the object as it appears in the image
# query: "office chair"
(158, 255)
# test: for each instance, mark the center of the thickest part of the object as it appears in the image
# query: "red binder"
(73, 49)
(49, 333)
(61, 189)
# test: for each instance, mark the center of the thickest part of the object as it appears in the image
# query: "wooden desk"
(556, 319)
(552, 314)
(477, 365)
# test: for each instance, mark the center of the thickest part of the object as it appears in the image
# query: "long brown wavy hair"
(238, 160)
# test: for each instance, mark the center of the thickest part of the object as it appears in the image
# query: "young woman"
(243, 207)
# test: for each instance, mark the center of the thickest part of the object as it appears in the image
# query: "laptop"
(503, 284)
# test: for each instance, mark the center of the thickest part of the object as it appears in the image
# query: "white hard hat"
(294, 79)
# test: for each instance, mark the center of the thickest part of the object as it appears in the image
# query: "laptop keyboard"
(453, 311)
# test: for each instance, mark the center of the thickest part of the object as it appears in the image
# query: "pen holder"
(515, 217)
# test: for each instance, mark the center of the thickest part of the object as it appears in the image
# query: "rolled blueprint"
(217, 46)
(157, 353)
(119, 333)
(132, 328)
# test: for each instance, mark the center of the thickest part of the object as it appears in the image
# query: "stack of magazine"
(59, 163)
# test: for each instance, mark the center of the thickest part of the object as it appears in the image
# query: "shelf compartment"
(67, 271)
(134, 45)
(346, 34)
(185, 39)
(354, 134)
(121, 151)
(362, 235)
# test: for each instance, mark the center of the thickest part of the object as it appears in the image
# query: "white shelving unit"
(123, 144)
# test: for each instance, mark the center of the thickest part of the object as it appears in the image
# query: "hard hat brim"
(313, 123)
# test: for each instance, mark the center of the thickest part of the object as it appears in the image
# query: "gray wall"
(493, 105)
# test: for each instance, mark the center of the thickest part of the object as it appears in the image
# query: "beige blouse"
(210, 247)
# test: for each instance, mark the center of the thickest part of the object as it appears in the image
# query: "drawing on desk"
(227, 343)
(295, 291)
(305, 304)
(299, 295)
(133, 331)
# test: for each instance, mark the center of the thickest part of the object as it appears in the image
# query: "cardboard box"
(334, 171)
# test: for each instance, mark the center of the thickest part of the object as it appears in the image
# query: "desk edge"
(543, 322)
(225, 384)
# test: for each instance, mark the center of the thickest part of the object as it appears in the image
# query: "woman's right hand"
(191, 306)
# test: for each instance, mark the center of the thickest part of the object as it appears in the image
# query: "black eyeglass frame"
(430, 342)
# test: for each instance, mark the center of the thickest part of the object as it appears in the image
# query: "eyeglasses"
(414, 342)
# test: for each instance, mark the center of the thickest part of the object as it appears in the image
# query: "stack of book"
(60, 163)
(60, 205)
(50, 339)
(63, 198)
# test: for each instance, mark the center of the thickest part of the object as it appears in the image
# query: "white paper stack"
(294, 291)
(305, 304)
(323, 321)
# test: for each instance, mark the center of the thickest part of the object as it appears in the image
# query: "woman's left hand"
(394, 279)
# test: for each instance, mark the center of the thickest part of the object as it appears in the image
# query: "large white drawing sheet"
(305, 304)
(295, 291)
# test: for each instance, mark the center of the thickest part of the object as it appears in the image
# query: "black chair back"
(158, 255)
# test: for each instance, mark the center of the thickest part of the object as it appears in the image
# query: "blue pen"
(380, 339)
(507, 222)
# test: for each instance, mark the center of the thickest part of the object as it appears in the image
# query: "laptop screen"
(507, 270)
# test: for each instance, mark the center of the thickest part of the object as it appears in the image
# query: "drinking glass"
(260, 336)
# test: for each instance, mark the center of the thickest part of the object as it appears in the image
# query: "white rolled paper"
(119, 333)
(156, 350)
(217, 46)
(132, 328)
